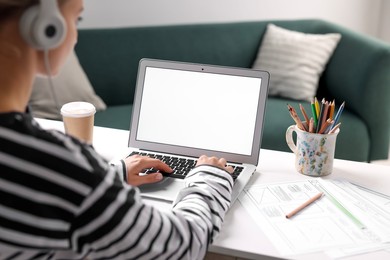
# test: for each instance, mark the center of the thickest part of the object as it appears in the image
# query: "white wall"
(384, 25)
(363, 16)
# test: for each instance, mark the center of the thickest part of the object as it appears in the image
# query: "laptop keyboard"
(181, 166)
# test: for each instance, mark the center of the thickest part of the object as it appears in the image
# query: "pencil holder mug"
(314, 153)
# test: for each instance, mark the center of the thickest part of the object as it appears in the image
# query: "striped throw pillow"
(294, 60)
(72, 84)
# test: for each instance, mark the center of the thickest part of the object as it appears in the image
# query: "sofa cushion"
(70, 85)
(295, 60)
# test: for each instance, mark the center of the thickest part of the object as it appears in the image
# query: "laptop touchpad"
(166, 189)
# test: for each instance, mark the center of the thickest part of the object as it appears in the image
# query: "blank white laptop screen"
(198, 109)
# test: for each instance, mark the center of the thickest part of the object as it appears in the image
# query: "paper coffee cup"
(78, 118)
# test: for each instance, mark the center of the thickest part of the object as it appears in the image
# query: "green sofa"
(357, 73)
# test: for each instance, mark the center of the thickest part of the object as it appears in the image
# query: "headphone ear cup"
(42, 30)
(49, 31)
(26, 25)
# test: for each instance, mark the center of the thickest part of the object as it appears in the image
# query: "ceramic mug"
(314, 153)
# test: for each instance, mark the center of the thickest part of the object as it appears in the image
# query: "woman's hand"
(136, 163)
(214, 161)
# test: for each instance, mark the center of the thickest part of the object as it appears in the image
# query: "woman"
(59, 199)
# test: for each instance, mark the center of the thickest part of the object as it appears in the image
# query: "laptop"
(184, 110)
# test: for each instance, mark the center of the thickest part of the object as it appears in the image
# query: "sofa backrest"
(358, 72)
(110, 56)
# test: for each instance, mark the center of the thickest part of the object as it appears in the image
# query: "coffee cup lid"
(78, 109)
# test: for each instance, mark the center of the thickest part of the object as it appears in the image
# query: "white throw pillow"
(295, 60)
(70, 85)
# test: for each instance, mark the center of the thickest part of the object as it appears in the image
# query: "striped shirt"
(61, 200)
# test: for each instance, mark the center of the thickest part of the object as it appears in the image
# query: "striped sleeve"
(61, 200)
(207, 195)
(120, 166)
(115, 223)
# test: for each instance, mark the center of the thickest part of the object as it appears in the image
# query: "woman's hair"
(9, 7)
(17, 3)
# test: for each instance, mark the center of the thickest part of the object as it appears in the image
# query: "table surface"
(240, 235)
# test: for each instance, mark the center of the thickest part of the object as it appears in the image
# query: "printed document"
(333, 221)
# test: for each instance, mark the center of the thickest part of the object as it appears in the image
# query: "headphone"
(42, 25)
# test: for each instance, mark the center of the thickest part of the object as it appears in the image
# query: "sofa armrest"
(359, 74)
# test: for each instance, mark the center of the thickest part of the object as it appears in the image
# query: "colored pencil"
(320, 116)
(324, 123)
(317, 106)
(325, 113)
(314, 112)
(311, 125)
(338, 114)
(325, 126)
(331, 112)
(304, 113)
(296, 118)
(334, 128)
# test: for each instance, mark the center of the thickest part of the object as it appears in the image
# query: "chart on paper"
(325, 224)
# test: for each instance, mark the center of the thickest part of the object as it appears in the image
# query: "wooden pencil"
(325, 126)
(304, 205)
(325, 113)
(296, 118)
(334, 128)
(304, 114)
(311, 125)
(320, 116)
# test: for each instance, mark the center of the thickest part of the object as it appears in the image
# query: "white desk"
(240, 235)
